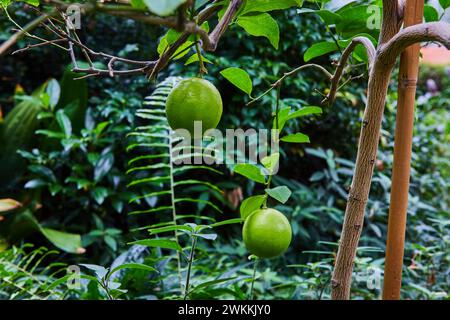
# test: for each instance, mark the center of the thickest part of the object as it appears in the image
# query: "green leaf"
(206, 202)
(261, 25)
(68, 242)
(251, 204)
(138, 4)
(139, 266)
(5, 3)
(225, 222)
(270, 162)
(207, 236)
(35, 183)
(168, 39)
(99, 194)
(159, 243)
(296, 138)
(111, 242)
(281, 193)
(170, 228)
(182, 50)
(54, 91)
(9, 204)
(282, 118)
(103, 166)
(212, 282)
(444, 3)
(319, 49)
(269, 5)
(32, 2)
(430, 14)
(240, 78)
(194, 58)
(163, 7)
(64, 123)
(100, 271)
(51, 134)
(305, 111)
(284, 115)
(327, 16)
(250, 171)
(43, 171)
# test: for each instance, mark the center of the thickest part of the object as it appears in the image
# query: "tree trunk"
(360, 187)
(408, 73)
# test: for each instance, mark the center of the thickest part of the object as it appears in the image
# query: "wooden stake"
(409, 66)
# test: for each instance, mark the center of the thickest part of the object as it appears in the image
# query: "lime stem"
(255, 264)
(191, 260)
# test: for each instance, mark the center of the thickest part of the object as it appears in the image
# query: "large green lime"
(267, 233)
(192, 100)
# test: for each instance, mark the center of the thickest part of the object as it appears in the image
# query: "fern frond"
(155, 166)
(22, 277)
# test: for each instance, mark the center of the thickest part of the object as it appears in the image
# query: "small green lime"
(267, 233)
(192, 100)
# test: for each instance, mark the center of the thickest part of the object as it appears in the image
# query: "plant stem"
(191, 260)
(174, 212)
(255, 265)
(277, 110)
(202, 70)
(104, 285)
(289, 74)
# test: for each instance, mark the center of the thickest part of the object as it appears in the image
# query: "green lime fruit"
(267, 233)
(192, 100)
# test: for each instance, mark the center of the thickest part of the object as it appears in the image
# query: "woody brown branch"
(432, 31)
(390, 47)
(370, 50)
(209, 42)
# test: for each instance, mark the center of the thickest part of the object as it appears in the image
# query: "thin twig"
(39, 45)
(289, 74)
(335, 79)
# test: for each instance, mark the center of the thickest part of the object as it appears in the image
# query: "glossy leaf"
(159, 243)
(139, 266)
(238, 77)
(54, 91)
(296, 138)
(64, 123)
(250, 171)
(281, 193)
(271, 162)
(251, 204)
(68, 242)
(269, 5)
(226, 222)
(319, 49)
(261, 25)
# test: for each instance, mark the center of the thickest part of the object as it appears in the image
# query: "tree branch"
(432, 31)
(371, 52)
(224, 22)
(22, 32)
(401, 8)
(289, 74)
(209, 41)
(392, 19)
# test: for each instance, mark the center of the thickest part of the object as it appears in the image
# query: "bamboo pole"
(408, 73)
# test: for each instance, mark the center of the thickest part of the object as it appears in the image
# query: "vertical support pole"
(408, 73)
